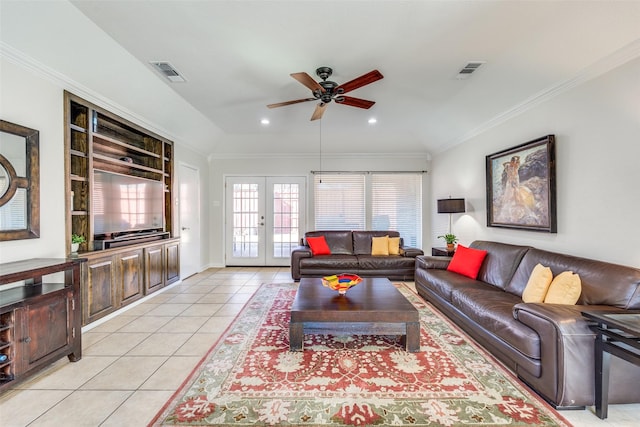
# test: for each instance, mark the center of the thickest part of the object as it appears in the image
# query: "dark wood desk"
(617, 334)
(373, 307)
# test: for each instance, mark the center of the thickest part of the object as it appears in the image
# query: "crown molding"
(608, 63)
(314, 156)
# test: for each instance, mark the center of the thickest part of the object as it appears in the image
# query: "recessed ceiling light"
(373, 120)
(265, 121)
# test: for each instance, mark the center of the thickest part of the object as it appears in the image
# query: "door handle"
(185, 228)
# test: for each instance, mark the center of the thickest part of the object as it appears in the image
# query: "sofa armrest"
(411, 252)
(297, 254)
(428, 261)
(567, 351)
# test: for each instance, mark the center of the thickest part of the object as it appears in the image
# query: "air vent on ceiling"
(168, 70)
(469, 69)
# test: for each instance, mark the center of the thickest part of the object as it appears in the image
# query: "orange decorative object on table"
(341, 282)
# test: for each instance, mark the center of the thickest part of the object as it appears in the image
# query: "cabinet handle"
(27, 340)
(186, 228)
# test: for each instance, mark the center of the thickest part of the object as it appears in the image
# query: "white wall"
(30, 101)
(266, 165)
(597, 129)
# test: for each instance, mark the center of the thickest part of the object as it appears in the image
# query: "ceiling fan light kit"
(327, 90)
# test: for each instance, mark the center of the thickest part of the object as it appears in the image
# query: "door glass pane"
(245, 220)
(286, 217)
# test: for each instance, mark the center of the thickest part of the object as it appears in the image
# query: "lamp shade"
(450, 205)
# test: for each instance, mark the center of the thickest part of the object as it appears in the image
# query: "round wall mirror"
(4, 180)
(19, 182)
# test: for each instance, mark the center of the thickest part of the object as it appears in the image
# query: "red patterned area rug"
(250, 377)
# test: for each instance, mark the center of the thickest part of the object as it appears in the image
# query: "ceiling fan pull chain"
(320, 150)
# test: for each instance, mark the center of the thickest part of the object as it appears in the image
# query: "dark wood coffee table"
(373, 307)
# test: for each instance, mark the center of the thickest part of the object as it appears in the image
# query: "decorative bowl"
(341, 282)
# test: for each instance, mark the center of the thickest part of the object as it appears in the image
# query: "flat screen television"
(123, 204)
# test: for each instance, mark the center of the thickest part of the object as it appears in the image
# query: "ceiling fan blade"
(308, 81)
(319, 111)
(282, 104)
(354, 102)
(363, 80)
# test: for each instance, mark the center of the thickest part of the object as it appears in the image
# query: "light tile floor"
(134, 361)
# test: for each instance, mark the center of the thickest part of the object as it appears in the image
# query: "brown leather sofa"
(351, 253)
(549, 346)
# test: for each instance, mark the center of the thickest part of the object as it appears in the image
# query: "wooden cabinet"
(39, 317)
(130, 268)
(129, 261)
(117, 277)
(154, 268)
(99, 290)
(172, 264)
(98, 140)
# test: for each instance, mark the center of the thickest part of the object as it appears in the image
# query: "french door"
(264, 219)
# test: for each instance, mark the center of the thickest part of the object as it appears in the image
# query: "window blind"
(339, 202)
(370, 201)
(396, 204)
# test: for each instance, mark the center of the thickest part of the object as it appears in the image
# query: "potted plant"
(76, 240)
(450, 239)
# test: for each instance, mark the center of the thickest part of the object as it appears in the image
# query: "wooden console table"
(39, 315)
(617, 334)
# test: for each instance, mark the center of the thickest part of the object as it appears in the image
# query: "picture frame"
(521, 186)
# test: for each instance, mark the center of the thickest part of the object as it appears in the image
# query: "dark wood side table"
(617, 334)
(441, 252)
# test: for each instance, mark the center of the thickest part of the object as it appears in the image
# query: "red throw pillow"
(467, 261)
(318, 245)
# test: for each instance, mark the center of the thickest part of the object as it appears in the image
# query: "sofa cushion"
(492, 309)
(602, 283)
(339, 241)
(500, 263)
(394, 245)
(331, 263)
(318, 245)
(362, 239)
(380, 246)
(443, 282)
(467, 261)
(564, 289)
(538, 284)
(372, 262)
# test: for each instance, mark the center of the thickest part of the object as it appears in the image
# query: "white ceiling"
(237, 57)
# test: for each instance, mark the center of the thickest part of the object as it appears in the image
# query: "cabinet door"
(130, 276)
(46, 328)
(100, 296)
(154, 279)
(172, 262)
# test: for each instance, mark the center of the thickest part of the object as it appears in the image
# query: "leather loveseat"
(549, 346)
(351, 253)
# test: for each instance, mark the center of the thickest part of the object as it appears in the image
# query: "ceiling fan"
(326, 90)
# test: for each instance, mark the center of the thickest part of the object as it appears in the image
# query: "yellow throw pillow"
(380, 245)
(394, 246)
(538, 284)
(564, 289)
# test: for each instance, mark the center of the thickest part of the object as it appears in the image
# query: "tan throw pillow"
(564, 289)
(538, 284)
(380, 245)
(394, 246)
